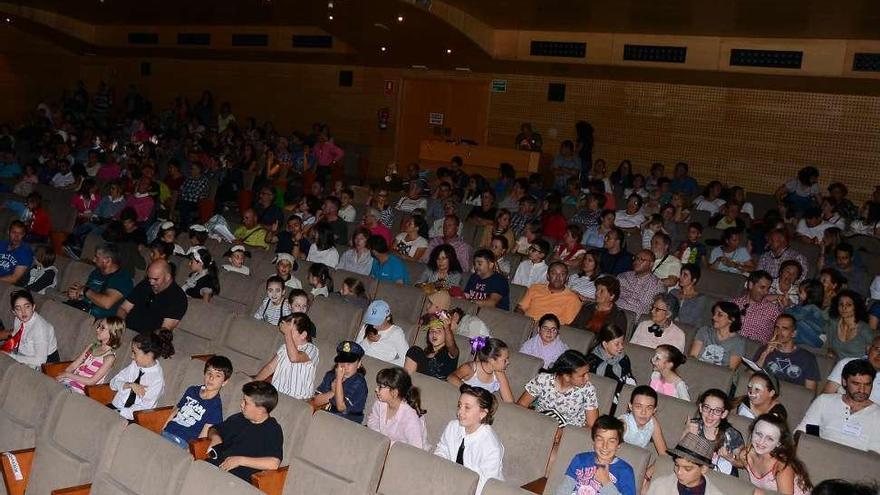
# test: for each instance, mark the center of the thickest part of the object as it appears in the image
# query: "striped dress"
(90, 365)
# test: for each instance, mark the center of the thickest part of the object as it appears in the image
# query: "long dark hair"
(325, 238)
(485, 400)
(733, 312)
(861, 312)
(158, 343)
(209, 264)
(607, 333)
(785, 452)
(723, 425)
(398, 379)
(567, 363)
(449, 251)
(815, 292)
(322, 273)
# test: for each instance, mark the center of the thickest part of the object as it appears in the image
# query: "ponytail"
(159, 343)
(398, 379)
(414, 399)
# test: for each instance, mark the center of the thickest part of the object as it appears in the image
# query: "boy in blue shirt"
(386, 266)
(600, 472)
(200, 407)
(486, 287)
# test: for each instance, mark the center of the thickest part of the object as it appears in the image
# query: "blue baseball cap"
(377, 312)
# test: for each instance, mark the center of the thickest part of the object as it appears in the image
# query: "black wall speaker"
(556, 92)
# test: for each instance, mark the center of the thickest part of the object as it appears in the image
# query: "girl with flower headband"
(203, 282)
(439, 356)
(487, 370)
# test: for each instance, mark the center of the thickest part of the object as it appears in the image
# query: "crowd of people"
(139, 178)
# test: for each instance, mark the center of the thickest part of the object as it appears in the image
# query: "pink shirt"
(672, 335)
(327, 153)
(383, 231)
(142, 206)
(406, 426)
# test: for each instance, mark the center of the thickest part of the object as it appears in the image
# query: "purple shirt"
(637, 292)
(549, 353)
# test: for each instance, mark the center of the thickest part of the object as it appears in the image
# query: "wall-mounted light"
(449, 51)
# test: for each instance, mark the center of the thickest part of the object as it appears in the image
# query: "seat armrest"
(101, 393)
(202, 357)
(54, 369)
(198, 448)
(74, 490)
(24, 458)
(270, 482)
(536, 486)
(153, 419)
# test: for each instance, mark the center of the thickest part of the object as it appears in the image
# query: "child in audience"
(198, 236)
(252, 440)
(380, 337)
(692, 459)
(31, 339)
(343, 391)
(93, 365)
(285, 265)
(320, 280)
(43, 275)
(532, 232)
(640, 425)
(762, 397)
(534, 269)
(354, 292)
(487, 370)
(607, 357)
(545, 344)
(651, 227)
(37, 220)
(770, 458)
(236, 256)
(298, 301)
(200, 408)
(293, 367)
(563, 391)
(469, 440)
(397, 412)
(346, 212)
(600, 471)
(499, 247)
(203, 282)
(664, 378)
(486, 287)
(693, 250)
(140, 384)
(274, 305)
(710, 422)
(439, 357)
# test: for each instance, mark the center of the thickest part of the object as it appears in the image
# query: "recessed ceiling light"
(449, 51)
(400, 18)
(330, 17)
(383, 49)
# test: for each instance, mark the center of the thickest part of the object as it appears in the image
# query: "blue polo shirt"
(23, 255)
(392, 270)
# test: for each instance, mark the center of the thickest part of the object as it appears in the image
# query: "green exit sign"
(499, 85)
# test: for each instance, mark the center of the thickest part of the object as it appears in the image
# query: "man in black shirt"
(156, 302)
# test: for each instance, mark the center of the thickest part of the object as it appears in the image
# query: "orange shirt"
(539, 301)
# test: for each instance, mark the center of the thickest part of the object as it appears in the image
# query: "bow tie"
(656, 330)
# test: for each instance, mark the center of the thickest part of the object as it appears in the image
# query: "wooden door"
(464, 106)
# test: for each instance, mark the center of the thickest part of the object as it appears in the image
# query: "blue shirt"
(392, 270)
(479, 289)
(10, 170)
(583, 467)
(354, 389)
(23, 255)
(685, 185)
(193, 413)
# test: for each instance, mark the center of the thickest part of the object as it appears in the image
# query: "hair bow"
(477, 343)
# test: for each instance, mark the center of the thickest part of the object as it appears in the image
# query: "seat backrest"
(72, 439)
(125, 469)
(440, 400)
(495, 487)
(640, 359)
(74, 329)
(829, 460)
(671, 413)
(522, 368)
(295, 417)
(516, 294)
(24, 398)
(187, 372)
(230, 394)
(340, 275)
(577, 440)
(248, 343)
(334, 319)
(6, 362)
(795, 398)
(605, 388)
(525, 456)
(90, 246)
(240, 288)
(576, 338)
(202, 478)
(729, 485)
(508, 326)
(337, 456)
(723, 285)
(77, 272)
(406, 301)
(407, 467)
(202, 323)
(701, 376)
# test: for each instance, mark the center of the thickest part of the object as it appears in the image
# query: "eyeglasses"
(658, 308)
(550, 329)
(714, 411)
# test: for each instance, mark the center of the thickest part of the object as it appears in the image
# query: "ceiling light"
(400, 18)
(330, 17)
(449, 51)
(329, 5)
(8, 20)
(383, 49)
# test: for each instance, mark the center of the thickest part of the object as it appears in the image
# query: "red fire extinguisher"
(384, 115)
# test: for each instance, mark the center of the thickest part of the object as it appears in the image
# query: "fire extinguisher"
(384, 115)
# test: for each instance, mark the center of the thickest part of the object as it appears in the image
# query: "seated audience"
(487, 370)
(443, 269)
(641, 426)
(784, 289)
(730, 256)
(710, 422)
(693, 250)
(31, 340)
(16, 256)
(293, 240)
(106, 287)
(156, 302)
(594, 236)
(600, 471)
(293, 366)
(250, 232)
(664, 378)
(379, 337)
(323, 250)
(695, 308)
(857, 277)
(570, 251)
(274, 306)
(692, 459)
(353, 291)
(386, 266)
(533, 269)
(660, 329)
(758, 312)
(139, 385)
(762, 397)
(834, 383)
(252, 440)
(203, 282)
(583, 280)
(451, 236)
(593, 316)
(778, 252)
(397, 412)
(608, 358)
(357, 258)
(632, 217)
(615, 259)
(666, 266)
(551, 297)
(200, 407)
(409, 244)
(563, 391)
(847, 331)
(545, 344)
(721, 344)
(285, 265)
(236, 256)
(95, 362)
(343, 391)
(810, 319)
(320, 280)
(784, 359)
(639, 286)
(439, 356)
(486, 288)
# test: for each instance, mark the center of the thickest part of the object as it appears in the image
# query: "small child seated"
(252, 440)
(533, 270)
(343, 391)
(533, 231)
(43, 275)
(320, 280)
(600, 471)
(664, 379)
(293, 366)
(200, 408)
(92, 366)
(693, 458)
(285, 265)
(640, 424)
(236, 256)
(274, 305)
(198, 236)
(651, 227)
(140, 384)
(353, 292)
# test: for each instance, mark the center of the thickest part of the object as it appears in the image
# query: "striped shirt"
(90, 365)
(271, 313)
(296, 379)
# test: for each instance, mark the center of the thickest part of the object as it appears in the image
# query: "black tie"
(131, 395)
(459, 459)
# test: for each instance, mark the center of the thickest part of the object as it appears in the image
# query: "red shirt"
(41, 224)
(554, 226)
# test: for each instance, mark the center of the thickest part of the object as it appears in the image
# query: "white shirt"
(62, 180)
(408, 248)
(37, 342)
(153, 381)
(813, 232)
(347, 213)
(351, 262)
(232, 268)
(483, 451)
(391, 346)
(296, 379)
(528, 273)
(668, 267)
(837, 372)
(624, 220)
(704, 204)
(408, 205)
(837, 423)
(329, 257)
